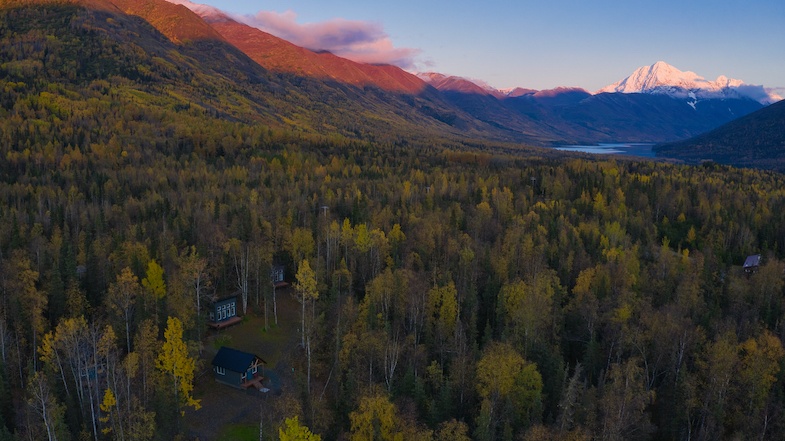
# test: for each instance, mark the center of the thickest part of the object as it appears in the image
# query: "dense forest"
(449, 291)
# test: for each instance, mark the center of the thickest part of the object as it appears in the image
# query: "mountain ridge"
(279, 55)
(755, 140)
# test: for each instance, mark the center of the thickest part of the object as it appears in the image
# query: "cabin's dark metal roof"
(752, 261)
(233, 359)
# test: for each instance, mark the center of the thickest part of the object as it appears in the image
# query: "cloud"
(360, 41)
(776, 93)
(759, 93)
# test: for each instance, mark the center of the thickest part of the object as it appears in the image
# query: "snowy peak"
(662, 78)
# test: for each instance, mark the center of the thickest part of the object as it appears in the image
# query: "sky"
(537, 44)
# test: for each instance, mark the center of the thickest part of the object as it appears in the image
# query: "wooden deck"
(224, 323)
(255, 382)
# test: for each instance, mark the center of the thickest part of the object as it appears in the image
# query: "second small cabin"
(277, 276)
(223, 313)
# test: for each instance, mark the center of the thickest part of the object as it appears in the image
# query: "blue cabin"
(223, 312)
(237, 368)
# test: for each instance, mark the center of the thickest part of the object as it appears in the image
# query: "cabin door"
(251, 372)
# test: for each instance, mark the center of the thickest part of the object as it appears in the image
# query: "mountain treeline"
(448, 293)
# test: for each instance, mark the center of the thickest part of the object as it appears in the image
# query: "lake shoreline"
(640, 149)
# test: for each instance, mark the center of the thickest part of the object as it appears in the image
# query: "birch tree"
(307, 292)
(121, 300)
(240, 253)
(44, 402)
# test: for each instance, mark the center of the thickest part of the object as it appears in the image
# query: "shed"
(223, 312)
(752, 263)
(277, 274)
(237, 368)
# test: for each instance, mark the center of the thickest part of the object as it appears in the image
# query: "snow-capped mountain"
(662, 78)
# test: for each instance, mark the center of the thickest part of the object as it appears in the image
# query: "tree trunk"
(302, 323)
(275, 307)
(308, 354)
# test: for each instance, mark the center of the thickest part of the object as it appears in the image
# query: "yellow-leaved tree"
(510, 388)
(154, 285)
(174, 362)
(375, 419)
(292, 430)
(107, 407)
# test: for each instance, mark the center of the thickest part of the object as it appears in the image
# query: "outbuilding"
(752, 263)
(277, 276)
(223, 313)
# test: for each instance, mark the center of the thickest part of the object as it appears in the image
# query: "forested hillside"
(756, 140)
(461, 291)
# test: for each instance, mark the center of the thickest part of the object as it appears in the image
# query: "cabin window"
(277, 274)
(232, 310)
(220, 371)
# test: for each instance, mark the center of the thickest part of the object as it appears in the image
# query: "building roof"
(224, 298)
(752, 261)
(233, 359)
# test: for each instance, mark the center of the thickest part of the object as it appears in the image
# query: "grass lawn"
(239, 433)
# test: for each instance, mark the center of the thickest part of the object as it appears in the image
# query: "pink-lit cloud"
(776, 93)
(361, 41)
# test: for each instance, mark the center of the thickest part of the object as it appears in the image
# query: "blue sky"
(540, 44)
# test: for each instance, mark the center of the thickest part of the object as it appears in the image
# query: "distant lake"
(643, 149)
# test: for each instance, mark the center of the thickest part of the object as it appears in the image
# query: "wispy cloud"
(776, 93)
(361, 41)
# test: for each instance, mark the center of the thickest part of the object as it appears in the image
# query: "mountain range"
(655, 103)
(271, 80)
(658, 79)
(661, 103)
